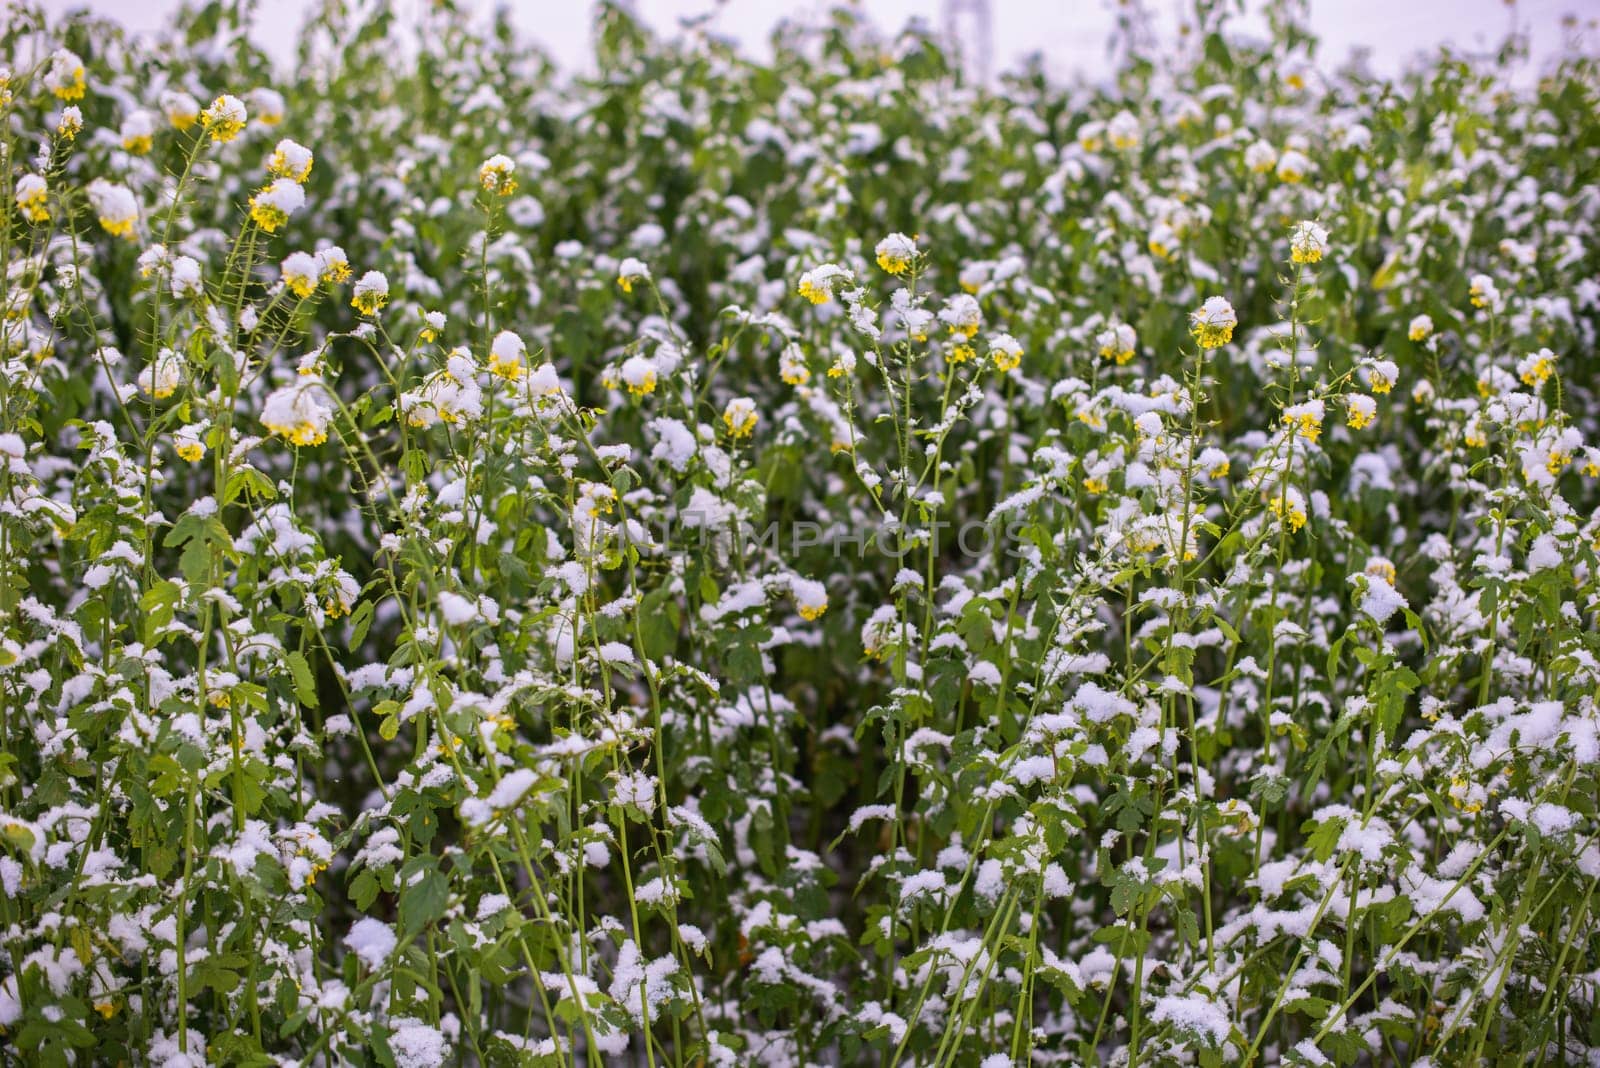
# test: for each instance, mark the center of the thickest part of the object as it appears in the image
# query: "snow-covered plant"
(800, 562)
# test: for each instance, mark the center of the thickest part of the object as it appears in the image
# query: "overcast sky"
(1071, 33)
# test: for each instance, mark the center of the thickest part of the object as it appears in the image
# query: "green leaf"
(248, 480)
(360, 620)
(1324, 838)
(423, 901)
(305, 684)
(364, 890)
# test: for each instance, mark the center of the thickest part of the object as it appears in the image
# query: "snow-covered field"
(793, 560)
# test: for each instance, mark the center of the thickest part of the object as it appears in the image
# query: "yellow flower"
(505, 356)
(299, 273)
(740, 417)
(896, 253)
(810, 597)
(268, 106)
(1124, 131)
(290, 160)
(508, 371)
(115, 206)
(371, 293)
(65, 76)
(297, 412)
(638, 374)
(1143, 541)
(225, 118)
(1483, 291)
(816, 285)
(182, 110)
(1261, 157)
(303, 434)
(1117, 343)
(498, 176)
(32, 196)
(792, 366)
(191, 451)
(596, 499)
(1360, 411)
(1213, 322)
(1095, 484)
(1459, 797)
(1292, 166)
(1309, 424)
(335, 267)
(1381, 376)
(1536, 369)
(631, 271)
(1007, 353)
(1297, 518)
(271, 207)
(962, 315)
(162, 377)
(1289, 506)
(1307, 243)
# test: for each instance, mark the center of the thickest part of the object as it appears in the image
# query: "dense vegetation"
(798, 562)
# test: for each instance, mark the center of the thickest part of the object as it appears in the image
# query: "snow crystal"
(1196, 1015)
(1381, 600)
(416, 1045)
(371, 940)
(512, 788)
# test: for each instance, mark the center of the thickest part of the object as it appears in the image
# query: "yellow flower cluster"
(1213, 322)
(225, 119)
(740, 417)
